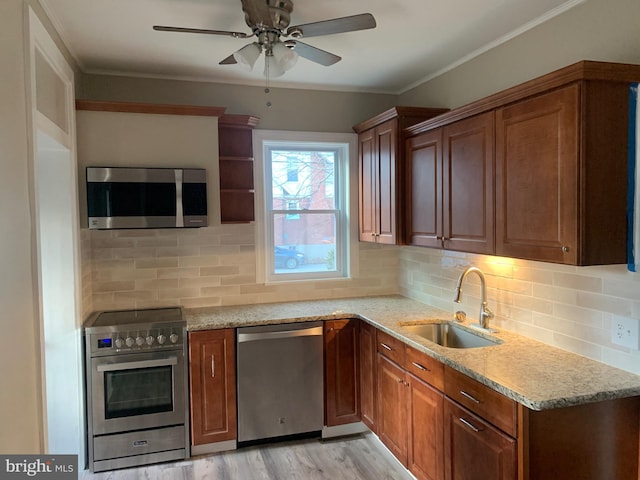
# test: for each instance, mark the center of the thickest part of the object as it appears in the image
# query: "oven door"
(141, 390)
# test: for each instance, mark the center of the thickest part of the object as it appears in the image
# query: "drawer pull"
(469, 396)
(420, 367)
(213, 366)
(384, 345)
(470, 425)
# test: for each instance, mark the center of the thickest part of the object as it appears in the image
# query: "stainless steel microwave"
(123, 197)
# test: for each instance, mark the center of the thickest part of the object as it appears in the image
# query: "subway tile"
(167, 262)
(157, 284)
(606, 303)
(200, 302)
(113, 286)
(220, 291)
(199, 261)
(578, 282)
(238, 280)
(178, 272)
(220, 270)
(555, 294)
(579, 315)
(575, 345)
(199, 282)
(177, 293)
(188, 251)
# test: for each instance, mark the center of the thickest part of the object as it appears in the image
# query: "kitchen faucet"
(485, 313)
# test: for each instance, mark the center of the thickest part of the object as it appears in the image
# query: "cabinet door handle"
(384, 345)
(469, 396)
(470, 425)
(420, 367)
(213, 367)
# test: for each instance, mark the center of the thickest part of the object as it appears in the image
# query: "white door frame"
(61, 130)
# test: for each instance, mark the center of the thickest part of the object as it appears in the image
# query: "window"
(306, 227)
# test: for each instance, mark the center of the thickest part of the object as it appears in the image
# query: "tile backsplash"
(208, 267)
(568, 307)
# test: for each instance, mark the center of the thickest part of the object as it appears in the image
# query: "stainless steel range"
(137, 392)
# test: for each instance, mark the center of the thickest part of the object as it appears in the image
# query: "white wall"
(19, 344)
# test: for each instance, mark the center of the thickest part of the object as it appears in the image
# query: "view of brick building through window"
(304, 208)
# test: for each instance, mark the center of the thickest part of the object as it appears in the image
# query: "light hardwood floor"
(360, 457)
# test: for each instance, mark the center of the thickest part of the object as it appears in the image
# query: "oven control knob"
(119, 342)
(150, 340)
(139, 341)
(129, 341)
(173, 337)
(161, 339)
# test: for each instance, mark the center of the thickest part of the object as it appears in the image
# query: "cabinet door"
(342, 382)
(212, 382)
(387, 142)
(468, 191)
(368, 375)
(426, 455)
(368, 176)
(392, 408)
(536, 177)
(424, 189)
(475, 450)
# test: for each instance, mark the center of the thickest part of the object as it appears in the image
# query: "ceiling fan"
(269, 22)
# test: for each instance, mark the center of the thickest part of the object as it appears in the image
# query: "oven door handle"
(162, 362)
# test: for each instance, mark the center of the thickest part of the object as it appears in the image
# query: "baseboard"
(343, 430)
(213, 448)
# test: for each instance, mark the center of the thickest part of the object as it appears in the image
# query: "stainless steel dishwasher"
(280, 380)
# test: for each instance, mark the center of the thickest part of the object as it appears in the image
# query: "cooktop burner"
(129, 317)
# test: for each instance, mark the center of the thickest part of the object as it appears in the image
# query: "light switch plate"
(625, 332)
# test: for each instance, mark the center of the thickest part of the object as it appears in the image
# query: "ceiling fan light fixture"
(271, 68)
(285, 57)
(248, 55)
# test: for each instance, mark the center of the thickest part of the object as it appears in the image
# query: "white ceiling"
(413, 41)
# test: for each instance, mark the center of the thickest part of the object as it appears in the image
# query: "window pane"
(303, 178)
(306, 243)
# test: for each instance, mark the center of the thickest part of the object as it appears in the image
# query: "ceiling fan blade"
(230, 60)
(162, 28)
(258, 12)
(315, 54)
(352, 23)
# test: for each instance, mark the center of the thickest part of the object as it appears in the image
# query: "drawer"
(481, 400)
(424, 367)
(390, 347)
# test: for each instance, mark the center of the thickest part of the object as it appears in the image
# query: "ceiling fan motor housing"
(279, 11)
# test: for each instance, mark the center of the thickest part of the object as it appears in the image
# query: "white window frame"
(346, 233)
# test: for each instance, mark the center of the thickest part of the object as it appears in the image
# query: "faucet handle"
(460, 316)
(486, 312)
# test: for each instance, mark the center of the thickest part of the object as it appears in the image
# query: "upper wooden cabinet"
(380, 171)
(561, 175)
(449, 184)
(235, 145)
(559, 190)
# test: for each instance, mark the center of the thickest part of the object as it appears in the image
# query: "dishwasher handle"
(305, 332)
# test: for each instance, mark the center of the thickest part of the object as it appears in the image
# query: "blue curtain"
(633, 210)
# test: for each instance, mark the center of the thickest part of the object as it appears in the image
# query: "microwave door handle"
(163, 362)
(179, 211)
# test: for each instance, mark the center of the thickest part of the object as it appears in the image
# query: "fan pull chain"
(267, 90)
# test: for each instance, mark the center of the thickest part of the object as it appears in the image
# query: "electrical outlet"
(625, 332)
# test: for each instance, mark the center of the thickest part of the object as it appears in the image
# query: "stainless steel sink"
(450, 335)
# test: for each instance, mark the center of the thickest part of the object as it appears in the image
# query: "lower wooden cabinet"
(368, 398)
(410, 420)
(425, 414)
(212, 383)
(392, 408)
(342, 372)
(474, 449)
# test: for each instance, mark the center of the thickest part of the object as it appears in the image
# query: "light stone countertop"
(537, 375)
